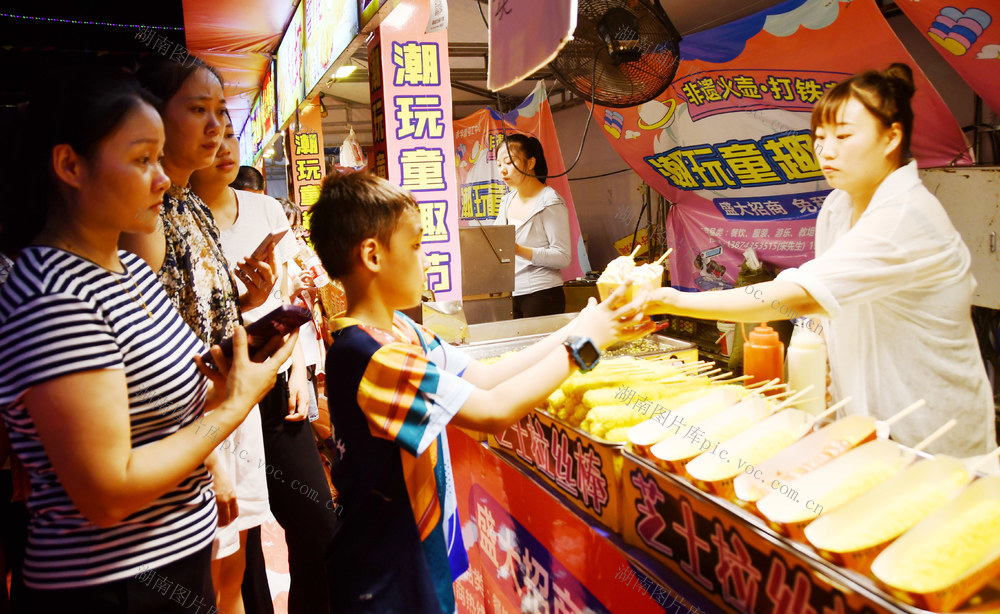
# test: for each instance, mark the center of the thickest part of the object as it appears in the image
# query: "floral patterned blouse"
(195, 272)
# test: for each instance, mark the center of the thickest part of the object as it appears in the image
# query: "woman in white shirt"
(891, 275)
(541, 227)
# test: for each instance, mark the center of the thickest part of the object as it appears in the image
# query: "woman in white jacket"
(890, 278)
(541, 227)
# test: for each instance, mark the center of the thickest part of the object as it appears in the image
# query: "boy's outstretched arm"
(488, 376)
(496, 408)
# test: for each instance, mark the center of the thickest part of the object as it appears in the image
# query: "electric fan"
(623, 52)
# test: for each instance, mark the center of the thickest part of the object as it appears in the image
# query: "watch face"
(589, 353)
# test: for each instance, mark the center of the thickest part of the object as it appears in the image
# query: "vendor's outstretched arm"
(772, 300)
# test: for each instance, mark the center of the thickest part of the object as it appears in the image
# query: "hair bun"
(902, 74)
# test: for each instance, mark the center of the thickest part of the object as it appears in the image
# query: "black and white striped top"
(59, 315)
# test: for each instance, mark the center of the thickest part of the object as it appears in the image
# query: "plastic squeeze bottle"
(807, 365)
(763, 355)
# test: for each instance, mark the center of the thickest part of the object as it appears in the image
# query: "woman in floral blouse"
(184, 249)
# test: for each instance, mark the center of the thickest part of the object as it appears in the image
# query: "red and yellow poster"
(477, 137)
(729, 139)
(413, 139)
(528, 552)
(966, 34)
(305, 148)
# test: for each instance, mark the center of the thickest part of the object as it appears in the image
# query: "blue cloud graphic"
(726, 42)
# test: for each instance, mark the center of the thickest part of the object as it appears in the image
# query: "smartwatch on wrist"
(583, 352)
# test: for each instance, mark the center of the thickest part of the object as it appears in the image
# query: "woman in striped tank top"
(101, 392)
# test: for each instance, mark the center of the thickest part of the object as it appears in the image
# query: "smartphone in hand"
(269, 240)
(280, 322)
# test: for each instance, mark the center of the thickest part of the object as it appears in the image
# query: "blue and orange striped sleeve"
(407, 398)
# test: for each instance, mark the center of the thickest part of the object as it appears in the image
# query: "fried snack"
(643, 277)
(602, 418)
(853, 485)
(717, 469)
(618, 435)
(949, 553)
(614, 275)
(895, 516)
(829, 452)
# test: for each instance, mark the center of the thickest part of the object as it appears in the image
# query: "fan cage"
(585, 65)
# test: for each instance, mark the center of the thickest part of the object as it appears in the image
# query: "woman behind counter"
(891, 275)
(541, 227)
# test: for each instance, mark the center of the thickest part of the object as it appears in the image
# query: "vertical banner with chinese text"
(415, 143)
(480, 185)
(729, 140)
(305, 149)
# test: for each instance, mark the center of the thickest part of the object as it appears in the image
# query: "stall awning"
(238, 37)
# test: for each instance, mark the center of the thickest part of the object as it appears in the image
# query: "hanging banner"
(262, 117)
(305, 156)
(476, 140)
(729, 140)
(525, 35)
(413, 138)
(289, 73)
(966, 35)
(330, 26)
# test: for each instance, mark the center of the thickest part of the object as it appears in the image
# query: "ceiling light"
(345, 71)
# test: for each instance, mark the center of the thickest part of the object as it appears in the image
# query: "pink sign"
(414, 141)
(525, 35)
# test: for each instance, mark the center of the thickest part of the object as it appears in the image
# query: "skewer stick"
(715, 378)
(693, 367)
(944, 428)
(785, 393)
(664, 256)
(762, 386)
(795, 397)
(906, 411)
(712, 372)
(984, 460)
(741, 378)
(791, 401)
(829, 411)
(635, 251)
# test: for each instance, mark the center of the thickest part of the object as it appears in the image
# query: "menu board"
(246, 144)
(262, 121)
(330, 26)
(290, 91)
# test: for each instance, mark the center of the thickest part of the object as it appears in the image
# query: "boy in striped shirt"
(393, 386)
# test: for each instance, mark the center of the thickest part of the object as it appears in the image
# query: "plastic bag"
(350, 152)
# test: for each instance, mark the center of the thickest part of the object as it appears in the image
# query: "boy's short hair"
(352, 207)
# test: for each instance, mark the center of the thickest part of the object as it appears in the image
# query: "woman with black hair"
(891, 277)
(541, 227)
(103, 403)
(186, 251)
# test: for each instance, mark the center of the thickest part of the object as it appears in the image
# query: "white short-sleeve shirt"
(896, 290)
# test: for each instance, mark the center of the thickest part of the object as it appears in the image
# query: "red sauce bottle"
(763, 355)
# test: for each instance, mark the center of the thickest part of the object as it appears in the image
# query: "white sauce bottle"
(806, 364)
